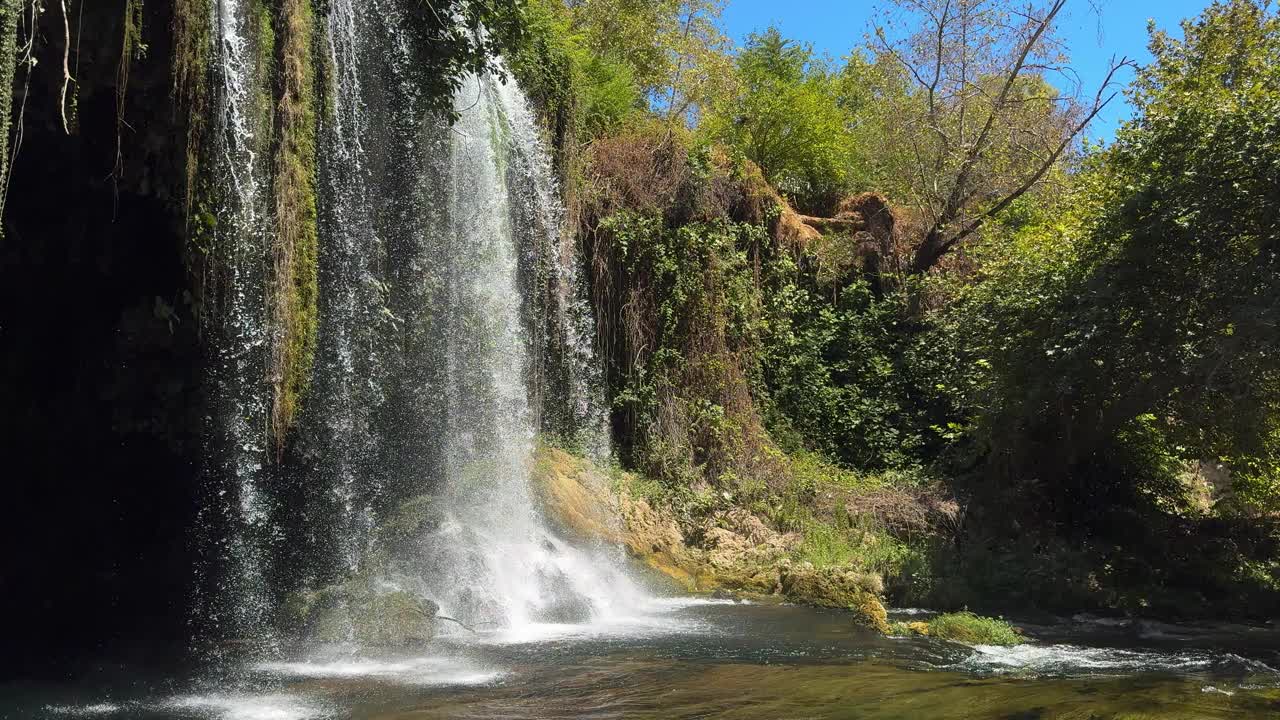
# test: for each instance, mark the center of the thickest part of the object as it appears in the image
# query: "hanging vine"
(17, 20)
(132, 49)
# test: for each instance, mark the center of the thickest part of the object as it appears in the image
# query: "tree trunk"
(929, 252)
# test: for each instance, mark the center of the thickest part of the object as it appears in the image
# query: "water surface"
(718, 659)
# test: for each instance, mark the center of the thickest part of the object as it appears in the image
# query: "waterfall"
(233, 598)
(453, 328)
(496, 561)
(585, 418)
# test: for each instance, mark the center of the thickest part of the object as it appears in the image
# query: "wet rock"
(394, 619)
(562, 602)
(414, 518)
(475, 607)
(358, 611)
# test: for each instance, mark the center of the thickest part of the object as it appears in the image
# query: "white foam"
(680, 603)
(277, 706)
(410, 671)
(1068, 659)
(651, 617)
(104, 708)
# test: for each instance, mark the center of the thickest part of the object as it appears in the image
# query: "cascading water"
(452, 329)
(538, 205)
(233, 598)
(496, 561)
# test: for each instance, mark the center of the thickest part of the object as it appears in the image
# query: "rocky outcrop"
(736, 551)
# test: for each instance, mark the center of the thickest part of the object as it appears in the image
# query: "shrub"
(966, 627)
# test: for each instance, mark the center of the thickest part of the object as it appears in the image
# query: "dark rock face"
(99, 360)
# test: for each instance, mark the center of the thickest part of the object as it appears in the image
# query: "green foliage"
(598, 64)
(443, 52)
(1157, 299)
(787, 119)
(9, 12)
(293, 297)
(704, 304)
(1108, 333)
(965, 627)
(580, 91)
(845, 543)
(834, 371)
(1109, 348)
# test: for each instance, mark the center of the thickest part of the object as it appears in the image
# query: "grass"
(966, 627)
(294, 290)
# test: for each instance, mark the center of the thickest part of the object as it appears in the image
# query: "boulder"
(394, 619)
(357, 610)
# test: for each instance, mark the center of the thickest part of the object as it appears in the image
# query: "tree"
(983, 125)
(701, 68)
(786, 117)
(1145, 332)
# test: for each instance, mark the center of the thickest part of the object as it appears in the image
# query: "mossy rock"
(828, 587)
(869, 612)
(575, 495)
(412, 518)
(837, 588)
(394, 619)
(356, 610)
(909, 628)
(970, 629)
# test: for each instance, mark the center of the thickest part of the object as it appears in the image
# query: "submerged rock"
(562, 602)
(373, 608)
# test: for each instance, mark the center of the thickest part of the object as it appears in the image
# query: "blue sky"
(835, 26)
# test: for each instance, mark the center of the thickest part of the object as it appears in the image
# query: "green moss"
(263, 39)
(409, 520)
(966, 627)
(193, 47)
(868, 611)
(9, 11)
(908, 628)
(294, 290)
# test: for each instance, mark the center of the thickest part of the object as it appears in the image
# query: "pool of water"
(690, 658)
